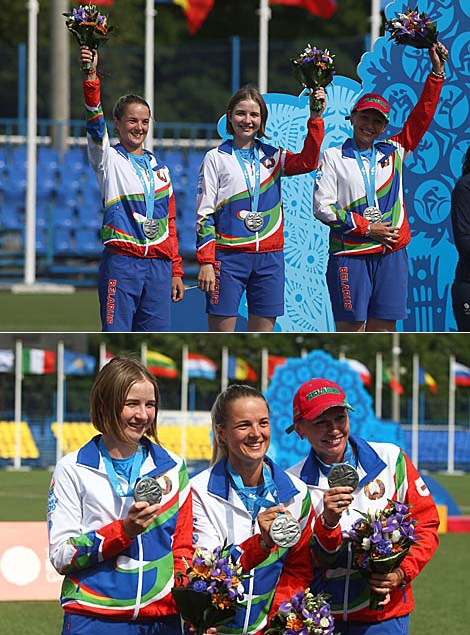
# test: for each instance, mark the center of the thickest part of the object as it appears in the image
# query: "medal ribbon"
(247, 496)
(369, 179)
(111, 472)
(253, 192)
(349, 458)
(148, 188)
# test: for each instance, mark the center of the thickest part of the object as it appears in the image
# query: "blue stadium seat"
(176, 163)
(90, 216)
(195, 158)
(63, 242)
(11, 219)
(187, 242)
(63, 215)
(88, 242)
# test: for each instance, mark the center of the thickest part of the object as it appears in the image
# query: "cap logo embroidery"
(322, 391)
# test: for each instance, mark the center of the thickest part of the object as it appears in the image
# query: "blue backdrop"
(398, 73)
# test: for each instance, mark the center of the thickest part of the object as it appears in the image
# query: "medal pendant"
(148, 489)
(254, 221)
(285, 531)
(373, 214)
(150, 227)
(343, 475)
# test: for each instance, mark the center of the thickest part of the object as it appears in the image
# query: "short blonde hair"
(220, 413)
(109, 393)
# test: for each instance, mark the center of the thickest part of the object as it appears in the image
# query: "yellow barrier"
(442, 510)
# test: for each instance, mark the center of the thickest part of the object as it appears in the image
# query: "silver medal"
(150, 227)
(254, 221)
(342, 475)
(148, 489)
(285, 531)
(373, 214)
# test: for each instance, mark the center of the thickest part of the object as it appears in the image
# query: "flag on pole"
(78, 364)
(38, 362)
(322, 8)
(161, 365)
(361, 369)
(196, 11)
(108, 3)
(389, 378)
(428, 380)
(273, 362)
(7, 360)
(461, 374)
(200, 366)
(240, 369)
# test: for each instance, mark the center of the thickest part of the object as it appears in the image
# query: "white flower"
(365, 544)
(395, 536)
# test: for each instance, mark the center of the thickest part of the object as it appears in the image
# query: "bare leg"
(221, 323)
(381, 326)
(259, 324)
(349, 327)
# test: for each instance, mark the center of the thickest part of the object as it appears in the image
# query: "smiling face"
(368, 125)
(139, 410)
(132, 127)
(327, 434)
(246, 433)
(246, 122)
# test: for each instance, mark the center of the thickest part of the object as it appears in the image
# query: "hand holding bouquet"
(88, 27)
(380, 542)
(314, 68)
(213, 589)
(303, 614)
(415, 29)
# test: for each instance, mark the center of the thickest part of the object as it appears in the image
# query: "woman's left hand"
(177, 289)
(320, 94)
(385, 583)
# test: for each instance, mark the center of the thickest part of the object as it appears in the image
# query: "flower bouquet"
(415, 29)
(303, 614)
(314, 68)
(214, 587)
(88, 27)
(380, 542)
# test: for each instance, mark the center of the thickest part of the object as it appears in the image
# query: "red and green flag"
(161, 365)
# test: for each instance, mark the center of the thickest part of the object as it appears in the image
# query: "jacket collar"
(266, 151)
(220, 483)
(89, 456)
(155, 161)
(368, 459)
(384, 147)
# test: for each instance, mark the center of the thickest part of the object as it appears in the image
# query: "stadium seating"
(198, 438)
(28, 448)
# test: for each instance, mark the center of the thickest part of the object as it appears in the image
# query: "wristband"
(326, 525)
(367, 234)
(441, 75)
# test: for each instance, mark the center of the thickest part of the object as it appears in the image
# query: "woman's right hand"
(139, 516)
(206, 278)
(87, 56)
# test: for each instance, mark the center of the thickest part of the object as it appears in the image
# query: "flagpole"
(264, 17)
(143, 353)
(60, 398)
(451, 424)
(378, 384)
(150, 13)
(396, 350)
(224, 370)
(184, 379)
(415, 412)
(102, 357)
(375, 22)
(18, 404)
(264, 370)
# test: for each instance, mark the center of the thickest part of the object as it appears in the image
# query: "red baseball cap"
(314, 397)
(375, 102)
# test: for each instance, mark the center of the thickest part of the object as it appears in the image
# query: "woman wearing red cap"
(359, 195)
(382, 472)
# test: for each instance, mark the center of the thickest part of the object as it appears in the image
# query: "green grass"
(49, 312)
(439, 590)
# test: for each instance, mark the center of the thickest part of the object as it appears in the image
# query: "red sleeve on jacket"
(115, 539)
(307, 160)
(91, 91)
(422, 114)
(329, 539)
(183, 538)
(177, 269)
(424, 510)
